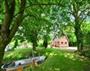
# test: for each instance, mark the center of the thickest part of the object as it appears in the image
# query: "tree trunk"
(2, 47)
(45, 43)
(6, 34)
(81, 42)
(79, 37)
(34, 39)
(34, 45)
(15, 44)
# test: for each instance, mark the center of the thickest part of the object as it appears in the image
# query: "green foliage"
(86, 41)
(86, 35)
(86, 53)
(18, 54)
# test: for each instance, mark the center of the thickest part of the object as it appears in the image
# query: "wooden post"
(20, 68)
(34, 63)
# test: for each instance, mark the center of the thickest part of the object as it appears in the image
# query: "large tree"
(76, 12)
(10, 22)
(79, 10)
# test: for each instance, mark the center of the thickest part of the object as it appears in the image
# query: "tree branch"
(40, 4)
(9, 12)
(84, 18)
(83, 11)
(18, 20)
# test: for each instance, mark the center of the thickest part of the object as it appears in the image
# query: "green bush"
(87, 41)
(86, 53)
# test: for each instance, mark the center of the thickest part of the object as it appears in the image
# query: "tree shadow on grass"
(63, 62)
(87, 67)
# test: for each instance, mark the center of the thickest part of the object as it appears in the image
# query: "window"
(61, 42)
(65, 42)
(58, 42)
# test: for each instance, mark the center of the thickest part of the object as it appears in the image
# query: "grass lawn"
(23, 53)
(57, 60)
(64, 61)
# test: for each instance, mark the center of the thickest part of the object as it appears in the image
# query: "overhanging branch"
(9, 12)
(18, 20)
(41, 4)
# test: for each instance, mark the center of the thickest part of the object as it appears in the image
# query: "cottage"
(60, 42)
